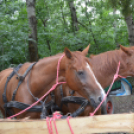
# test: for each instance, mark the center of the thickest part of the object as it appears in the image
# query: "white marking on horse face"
(99, 85)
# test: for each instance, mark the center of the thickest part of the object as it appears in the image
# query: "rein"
(53, 87)
(115, 77)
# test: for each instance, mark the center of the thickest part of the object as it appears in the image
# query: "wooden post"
(80, 125)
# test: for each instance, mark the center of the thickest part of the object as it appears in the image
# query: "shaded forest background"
(34, 29)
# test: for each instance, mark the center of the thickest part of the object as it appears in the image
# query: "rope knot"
(115, 76)
(57, 115)
(53, 87)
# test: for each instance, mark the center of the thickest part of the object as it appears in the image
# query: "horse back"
(4, 74)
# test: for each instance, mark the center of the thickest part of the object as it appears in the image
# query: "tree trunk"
(130, 27)
(73, 16)
(64, 21)
(90, 29)
(33, 49)
(46, 37)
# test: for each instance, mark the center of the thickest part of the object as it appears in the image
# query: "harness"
(8, 105)
(73, 99)
(13, 103)
(44, 107)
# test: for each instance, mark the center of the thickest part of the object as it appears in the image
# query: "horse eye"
(80, 73)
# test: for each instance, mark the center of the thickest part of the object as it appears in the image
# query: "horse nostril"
(100, 99)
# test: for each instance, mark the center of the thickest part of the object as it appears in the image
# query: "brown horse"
(104, 67)
(74, 67)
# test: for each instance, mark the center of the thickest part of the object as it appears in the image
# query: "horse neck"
(105, 65)
(44, 73)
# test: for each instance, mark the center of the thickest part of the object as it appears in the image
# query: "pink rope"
(49, 122)
(56, 116)
(69, 124)
(53, 87)
(115, 77)
(48, 125)
(51, 129)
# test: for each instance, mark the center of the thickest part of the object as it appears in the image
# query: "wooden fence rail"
(81, 125)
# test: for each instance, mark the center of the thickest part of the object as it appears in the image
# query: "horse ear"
(126, 50)
(68, 53)
(85, 51)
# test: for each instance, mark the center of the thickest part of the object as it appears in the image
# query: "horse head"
(127, 60)
(80, 77)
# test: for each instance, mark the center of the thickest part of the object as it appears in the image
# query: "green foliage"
(95, 22)
(125, 6)
(13, 34)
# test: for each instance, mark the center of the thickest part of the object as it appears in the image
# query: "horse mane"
(53, 57)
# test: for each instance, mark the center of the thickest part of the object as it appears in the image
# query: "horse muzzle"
(95, 103)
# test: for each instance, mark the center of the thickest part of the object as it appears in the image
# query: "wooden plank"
(81, 125)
